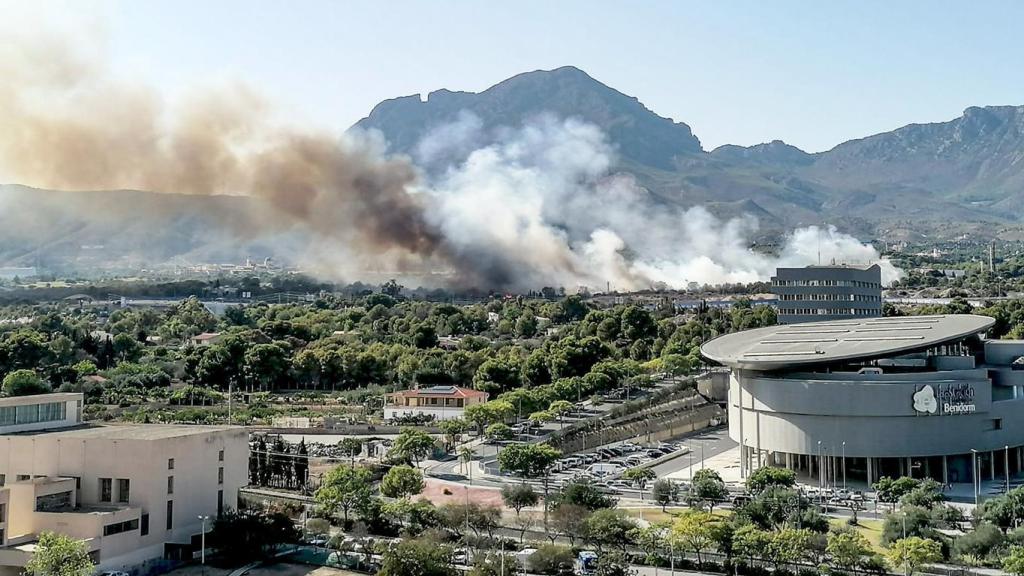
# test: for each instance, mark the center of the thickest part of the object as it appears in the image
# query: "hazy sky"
(812, 73)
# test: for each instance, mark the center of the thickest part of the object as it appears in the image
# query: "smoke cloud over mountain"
(508, 208)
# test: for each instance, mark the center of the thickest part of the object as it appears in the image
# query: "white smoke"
(540, 205)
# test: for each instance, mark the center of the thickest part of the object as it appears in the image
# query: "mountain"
(127, 229)
(969, 168)
(641, 135)
(943, 179)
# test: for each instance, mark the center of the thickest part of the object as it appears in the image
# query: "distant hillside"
(124, 228)
(945, 178)
(922, 175)
(641, 135)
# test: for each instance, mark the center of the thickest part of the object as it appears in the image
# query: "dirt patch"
(434, 492)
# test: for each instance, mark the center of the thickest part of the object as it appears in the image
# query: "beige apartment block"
(133, 493)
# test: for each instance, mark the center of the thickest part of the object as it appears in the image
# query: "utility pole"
(976, 481)
(202, 544)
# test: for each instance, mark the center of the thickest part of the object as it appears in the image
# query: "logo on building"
(950, 399)
(924, 400)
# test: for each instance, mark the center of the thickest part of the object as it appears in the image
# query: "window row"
(119, 527)
(32, 413)
(831, 297)
(848, 283)
(829, 311)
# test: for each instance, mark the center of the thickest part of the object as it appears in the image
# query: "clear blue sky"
(812, 73)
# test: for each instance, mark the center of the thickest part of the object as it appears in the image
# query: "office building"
(909, 396)
(836, 292)
(132, 493)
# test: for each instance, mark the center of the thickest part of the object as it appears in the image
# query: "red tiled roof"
(440, 392)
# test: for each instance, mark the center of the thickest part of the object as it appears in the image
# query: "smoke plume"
(505, 208)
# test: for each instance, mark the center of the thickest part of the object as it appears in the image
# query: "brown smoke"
(66, 124)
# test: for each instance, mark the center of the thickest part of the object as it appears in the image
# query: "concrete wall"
(439, 413)
(144, 462)
(874, 415)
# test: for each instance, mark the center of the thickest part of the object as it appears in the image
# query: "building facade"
(132, 493)
(437, 402)
(836, 292)
(924, 396)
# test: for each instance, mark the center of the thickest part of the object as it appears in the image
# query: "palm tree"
(465, 457)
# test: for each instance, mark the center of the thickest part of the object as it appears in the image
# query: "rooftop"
(129, 431)
(793, 345)
(440, 391)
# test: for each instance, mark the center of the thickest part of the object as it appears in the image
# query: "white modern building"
(440, 402)
(921, 396)
(132, 493)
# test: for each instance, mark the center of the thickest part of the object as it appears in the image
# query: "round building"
(860, 399)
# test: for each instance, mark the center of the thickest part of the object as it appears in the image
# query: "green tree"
(527, 460)
(499, 431)
(693, 530)
(707, 489)
(551, 559)
(609, 527)
(453, 429)
(265, 365)
(909, 554)
(24, 383)
(767, 476)
(417, 557)
(583, 492)
(847, 548)
(413, 445)
(614, 564)
(567, 520)
(639, 477)
(1014, 561)
(664, 492)
(890, 490)
(401, 481)
(788, 546)
(519, 496)
(59, 555)
(350, 448)
(344, 488)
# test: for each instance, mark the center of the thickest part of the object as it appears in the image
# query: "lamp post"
(974, 470)
(202, 544)
(1006, 467)
(844, 464)
(819, 469)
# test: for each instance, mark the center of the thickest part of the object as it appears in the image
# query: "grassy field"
(870, 529)
(654, 515)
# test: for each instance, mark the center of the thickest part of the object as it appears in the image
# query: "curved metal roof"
(792, 345)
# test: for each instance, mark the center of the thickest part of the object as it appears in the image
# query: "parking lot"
(604, 466)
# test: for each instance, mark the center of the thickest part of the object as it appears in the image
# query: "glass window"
(170, 463)
(220, 455)
(220, 475)
(105, 489)
(220, 503)
(170, 514)
(170, 484)
(123, 490)
(145, 524)
(52, 502)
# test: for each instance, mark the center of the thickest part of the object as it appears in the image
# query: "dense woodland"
(381, 340)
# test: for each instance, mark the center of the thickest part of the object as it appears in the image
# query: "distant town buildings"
(132, 493)
(835, 292)
(441, 402)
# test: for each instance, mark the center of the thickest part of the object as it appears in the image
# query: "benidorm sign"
(949, 399)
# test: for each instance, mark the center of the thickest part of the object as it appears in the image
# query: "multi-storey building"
(133, 493)
(832, 292)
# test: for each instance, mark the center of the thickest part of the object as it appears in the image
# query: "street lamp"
(844, 464)
(1006, 467)
(819, 468)
(202, 543)
(976, 484)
